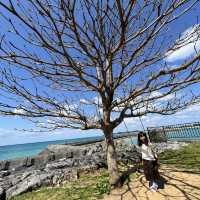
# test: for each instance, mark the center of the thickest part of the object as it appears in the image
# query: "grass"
(92, 186)
(187, 158)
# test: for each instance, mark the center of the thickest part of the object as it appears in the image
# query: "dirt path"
(179, 186)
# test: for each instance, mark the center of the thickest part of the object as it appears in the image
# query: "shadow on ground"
(175, 185)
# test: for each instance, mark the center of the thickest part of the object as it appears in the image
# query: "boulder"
(2, 194)
(61, 176)
(173, 145)
(4, 173)
(41, 160)
(4, 165)
(59, 164)
(31, 182)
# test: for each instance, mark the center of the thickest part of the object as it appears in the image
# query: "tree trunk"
(114, 177)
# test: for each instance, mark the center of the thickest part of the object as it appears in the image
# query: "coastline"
(16, 151)
(63, 163)
(55, 165)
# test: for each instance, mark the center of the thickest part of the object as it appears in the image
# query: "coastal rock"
(60, 151)
(4, 173)
(29, 181)
(5, 184)
(173, 145)
(59, 164)
(32, 182)
(17, 178)
(41, 161)
(50, 154)
(2, 194)
(130, 155)
(29, 161)
(18, 164)
(61, 176)
(4, 165)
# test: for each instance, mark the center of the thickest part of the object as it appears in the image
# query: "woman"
(149, 159)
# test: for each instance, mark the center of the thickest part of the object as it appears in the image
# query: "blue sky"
(8, 134)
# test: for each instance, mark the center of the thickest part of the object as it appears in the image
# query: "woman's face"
(142, 138)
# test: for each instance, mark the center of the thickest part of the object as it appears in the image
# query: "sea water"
(32, 149)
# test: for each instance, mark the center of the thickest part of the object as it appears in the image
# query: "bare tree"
(89, 64)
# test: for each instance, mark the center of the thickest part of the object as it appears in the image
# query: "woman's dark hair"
(140, 142)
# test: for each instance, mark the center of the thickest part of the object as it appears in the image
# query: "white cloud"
(158, 94)
(187, 45)
(66, 109)
(190, 114)
(130, 120)
(19, 111)
(191, 109)
(95, 101)
(84, 101)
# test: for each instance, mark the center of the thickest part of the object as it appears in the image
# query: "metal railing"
(125, 134)
(188, 131)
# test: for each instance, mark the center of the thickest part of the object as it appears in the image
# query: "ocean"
(32, 149)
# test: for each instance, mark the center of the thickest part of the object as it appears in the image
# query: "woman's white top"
(147, 153)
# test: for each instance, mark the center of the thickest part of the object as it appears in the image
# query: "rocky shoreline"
(62, 163)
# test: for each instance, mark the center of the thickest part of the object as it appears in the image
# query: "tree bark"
(114, 176)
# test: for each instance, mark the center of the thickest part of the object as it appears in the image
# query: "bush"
(157, 136)
(103, 186)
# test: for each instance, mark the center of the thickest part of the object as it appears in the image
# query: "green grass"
(87, 187)
(187, 158)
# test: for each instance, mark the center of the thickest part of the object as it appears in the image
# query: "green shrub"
(157, 136)
(103, 186)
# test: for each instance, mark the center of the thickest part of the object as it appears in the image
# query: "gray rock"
(173, 145)
(17, 178)
(2, 194)
(41, 161)
(59, 164)
(61, 176)
(4, 173)
(35, 179)
(4, 165)
(29, 161)
(32, 182)
(5, 184)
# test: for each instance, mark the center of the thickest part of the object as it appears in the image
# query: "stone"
(32, 182)
(2, 194)
(162, 146)
(61, 176)
(37, 178)
(4, 165)
(4, 173)
(5, 184)
(41, 161)
(29, 161)
(59, 164)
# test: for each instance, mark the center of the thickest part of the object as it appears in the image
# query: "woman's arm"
(153, 151)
